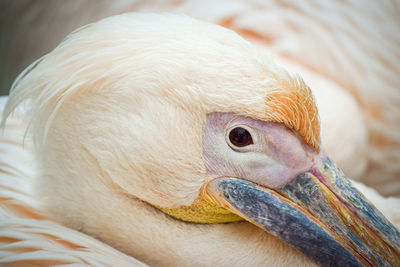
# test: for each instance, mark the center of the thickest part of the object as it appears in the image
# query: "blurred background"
(347, 51)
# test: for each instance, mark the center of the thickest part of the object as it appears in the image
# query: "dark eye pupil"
(240, 137)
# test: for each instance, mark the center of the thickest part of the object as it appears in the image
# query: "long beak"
(319, 213)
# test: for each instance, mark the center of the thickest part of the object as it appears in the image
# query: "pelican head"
(178, 142)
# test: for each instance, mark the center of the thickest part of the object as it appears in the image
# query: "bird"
(319, 39)
(177, 142)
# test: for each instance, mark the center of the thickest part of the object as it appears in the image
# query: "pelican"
(177, 142)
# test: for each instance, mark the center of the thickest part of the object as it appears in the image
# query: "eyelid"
(253, 134)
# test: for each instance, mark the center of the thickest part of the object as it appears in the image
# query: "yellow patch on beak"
(202, 210)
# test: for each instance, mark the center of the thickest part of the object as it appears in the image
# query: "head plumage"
(293, 105)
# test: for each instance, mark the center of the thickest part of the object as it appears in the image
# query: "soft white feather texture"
(27, 237)
(129, 79)
(352, 45)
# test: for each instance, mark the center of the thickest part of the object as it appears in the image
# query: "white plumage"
(14, 227)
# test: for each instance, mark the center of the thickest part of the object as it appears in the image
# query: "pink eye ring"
(240, 137)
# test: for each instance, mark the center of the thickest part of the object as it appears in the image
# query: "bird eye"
(240, 137)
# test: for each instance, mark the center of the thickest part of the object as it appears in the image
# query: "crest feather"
(293, 105)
